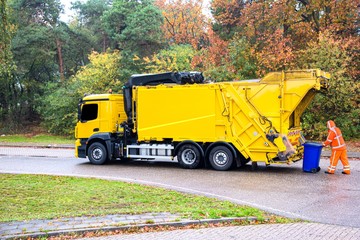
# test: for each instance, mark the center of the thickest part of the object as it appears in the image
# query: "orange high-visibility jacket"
(334, 139)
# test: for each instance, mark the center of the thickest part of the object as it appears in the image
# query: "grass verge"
(26, 197)
(41, 138)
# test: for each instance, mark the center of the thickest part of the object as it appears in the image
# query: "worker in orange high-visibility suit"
(338, 149)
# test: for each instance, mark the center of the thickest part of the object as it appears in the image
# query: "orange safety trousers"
(334, 158)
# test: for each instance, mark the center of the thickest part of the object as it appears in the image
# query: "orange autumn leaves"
(275, 31)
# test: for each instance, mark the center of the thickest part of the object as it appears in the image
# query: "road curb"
(81, 231)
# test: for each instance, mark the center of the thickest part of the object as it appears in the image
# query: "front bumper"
(80, 148)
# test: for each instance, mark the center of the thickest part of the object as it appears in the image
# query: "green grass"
(41, 138)
(25, 197)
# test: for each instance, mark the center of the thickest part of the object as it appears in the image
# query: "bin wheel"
(315, 170)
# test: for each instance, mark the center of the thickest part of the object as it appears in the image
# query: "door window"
(89, 112)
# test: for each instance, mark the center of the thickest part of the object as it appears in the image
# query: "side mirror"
(79, 112)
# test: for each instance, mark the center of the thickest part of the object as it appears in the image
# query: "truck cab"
(99, 119)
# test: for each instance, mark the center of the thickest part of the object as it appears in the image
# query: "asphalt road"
(280, 189)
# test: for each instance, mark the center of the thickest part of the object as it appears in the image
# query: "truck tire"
(221, 158)
(97, 153)
(189, 156)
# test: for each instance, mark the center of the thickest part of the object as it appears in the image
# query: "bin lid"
(312, 144)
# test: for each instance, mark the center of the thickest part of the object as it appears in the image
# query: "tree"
(89, 19)
(44, 12)
(5, 38)
(227, 60)
(342, 102)
(241, 61)
(213, 58)
(276, 52)
(338, 17)
(104, 72)
(227, 15)
(58, 106)
(41, 13)
(7, 66)
(176, 58)
(276, 29)
(142, 34)
(184, 22)
(73, 56)
(135, 25)
(35, 48)
(45, 50)
(301, 20)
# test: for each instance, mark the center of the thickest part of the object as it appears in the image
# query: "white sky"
(66, 16)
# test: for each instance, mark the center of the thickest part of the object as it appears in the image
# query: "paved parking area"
(295, 231)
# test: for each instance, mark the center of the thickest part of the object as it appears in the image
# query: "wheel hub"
(97, 154)
(188, 156)
(220, 158)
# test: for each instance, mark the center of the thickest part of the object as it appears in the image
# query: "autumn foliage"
(184, 21)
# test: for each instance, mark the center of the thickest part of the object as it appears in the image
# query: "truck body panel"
(177, 112)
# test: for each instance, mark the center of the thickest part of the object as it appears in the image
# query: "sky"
(66, 16)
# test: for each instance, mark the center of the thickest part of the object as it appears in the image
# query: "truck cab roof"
(96, 97)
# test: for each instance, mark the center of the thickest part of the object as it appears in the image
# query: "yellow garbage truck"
(179, 116)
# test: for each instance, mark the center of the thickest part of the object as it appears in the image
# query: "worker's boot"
(346, 170)
(330, 170)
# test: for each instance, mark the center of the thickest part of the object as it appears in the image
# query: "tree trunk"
(60, 59)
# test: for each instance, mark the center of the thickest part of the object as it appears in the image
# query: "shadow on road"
(151, 164)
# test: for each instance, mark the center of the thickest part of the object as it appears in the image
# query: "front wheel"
(189, 156)
(97, 153)
(221, 158)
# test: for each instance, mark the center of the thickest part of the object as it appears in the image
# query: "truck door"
(89, 123)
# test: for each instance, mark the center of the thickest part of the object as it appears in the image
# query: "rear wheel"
(189, 156)
(97, 153)
(221, 158)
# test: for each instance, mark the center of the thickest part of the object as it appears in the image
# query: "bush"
(58, 109)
